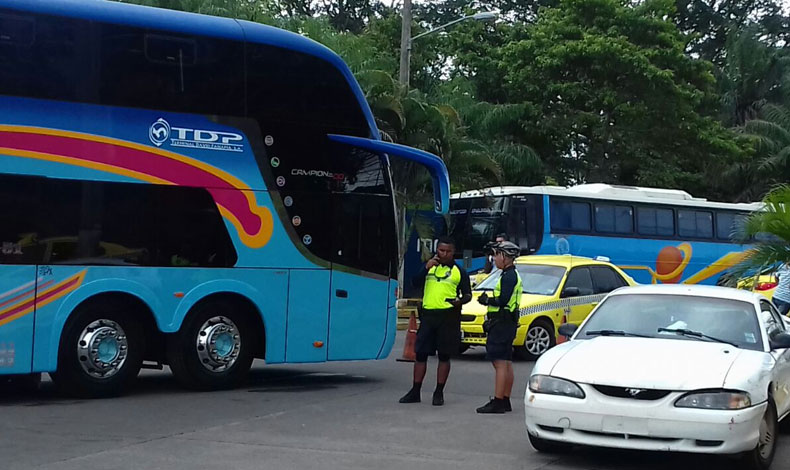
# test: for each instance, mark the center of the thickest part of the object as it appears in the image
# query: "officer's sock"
(508, 407)
(439, 388)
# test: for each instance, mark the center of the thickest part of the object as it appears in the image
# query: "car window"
(644, 314)
(580, 278)
(536, 279)
(606, 279)
(772, 319)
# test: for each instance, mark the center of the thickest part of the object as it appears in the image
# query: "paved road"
(322, 416)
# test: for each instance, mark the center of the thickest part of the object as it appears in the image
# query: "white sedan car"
(667, 368)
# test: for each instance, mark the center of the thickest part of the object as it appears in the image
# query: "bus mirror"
(570, 292)
(432, 163)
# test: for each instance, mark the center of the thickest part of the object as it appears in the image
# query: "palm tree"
(770, 227)
(770, 136)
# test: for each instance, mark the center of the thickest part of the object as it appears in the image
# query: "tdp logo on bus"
(161, 131)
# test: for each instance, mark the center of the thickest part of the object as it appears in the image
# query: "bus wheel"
(101, 351)
(540, 338)
(214, 348)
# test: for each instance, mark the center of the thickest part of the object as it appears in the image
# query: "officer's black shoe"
(494, 406)
(412, 397)
(438, 398)
(507, 404)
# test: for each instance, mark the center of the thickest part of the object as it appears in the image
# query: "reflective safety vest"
(441, 283)
(515, 299)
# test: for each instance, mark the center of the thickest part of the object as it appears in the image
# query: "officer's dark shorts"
(499, 342)
(440, 331)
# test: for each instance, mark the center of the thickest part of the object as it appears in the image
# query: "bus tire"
(214, 348)
(101, 350)
(540, 338)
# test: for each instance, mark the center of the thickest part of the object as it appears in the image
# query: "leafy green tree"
(754, 73)
(769, 134)
(710, 23)
(618, 97)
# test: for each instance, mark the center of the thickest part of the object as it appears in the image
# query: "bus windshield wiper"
(615, 333)
(695, 334)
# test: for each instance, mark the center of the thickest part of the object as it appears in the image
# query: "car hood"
(664, 364)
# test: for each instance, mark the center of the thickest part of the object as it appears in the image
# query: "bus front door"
(17, 305)
(359, 292)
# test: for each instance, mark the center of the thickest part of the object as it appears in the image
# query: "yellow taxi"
(765, 284)
(557, 289)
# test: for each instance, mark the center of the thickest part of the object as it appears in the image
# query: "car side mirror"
(567, 329)
(780, 341)
(569, 292)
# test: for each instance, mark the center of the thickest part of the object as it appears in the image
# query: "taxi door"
(577, 305)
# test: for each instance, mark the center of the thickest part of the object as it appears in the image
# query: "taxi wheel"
(463, 348)
(540, 338)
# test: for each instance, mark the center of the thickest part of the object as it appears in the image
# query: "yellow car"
(557, 289)
(765, 284)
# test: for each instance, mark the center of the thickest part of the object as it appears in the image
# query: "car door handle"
(343, 294)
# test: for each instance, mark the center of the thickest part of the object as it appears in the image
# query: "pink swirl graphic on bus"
(235, 200)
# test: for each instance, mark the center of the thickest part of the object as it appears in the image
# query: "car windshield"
(731, 321)
(536, 279)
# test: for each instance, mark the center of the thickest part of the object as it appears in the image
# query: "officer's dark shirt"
(508, 283)
(464, 287)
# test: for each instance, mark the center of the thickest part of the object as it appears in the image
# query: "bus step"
(152, 365)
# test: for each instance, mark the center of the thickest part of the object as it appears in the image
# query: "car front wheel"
(761, 457)
(540, 338)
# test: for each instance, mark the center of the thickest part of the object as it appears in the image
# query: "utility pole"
(405, 44)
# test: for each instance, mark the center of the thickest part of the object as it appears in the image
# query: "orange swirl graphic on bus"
(671, 262)
(235, 200)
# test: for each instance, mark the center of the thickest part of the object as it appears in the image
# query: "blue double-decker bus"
(655, 235)
(186, 190)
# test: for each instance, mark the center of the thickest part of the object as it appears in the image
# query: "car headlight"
(715, 400)
(554, 386)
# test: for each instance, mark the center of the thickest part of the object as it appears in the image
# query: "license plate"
(624, 425)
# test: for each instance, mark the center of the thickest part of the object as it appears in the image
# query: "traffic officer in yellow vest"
(446, 288)
(501, 324)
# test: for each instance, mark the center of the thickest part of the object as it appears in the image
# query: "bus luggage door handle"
(343, 294)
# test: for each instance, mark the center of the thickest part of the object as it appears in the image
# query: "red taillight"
(766, 285)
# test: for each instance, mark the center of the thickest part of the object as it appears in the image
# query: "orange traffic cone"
(409, 355)
(560, 338)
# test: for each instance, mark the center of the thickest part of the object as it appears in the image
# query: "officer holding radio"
(446, 288)
(501, 325)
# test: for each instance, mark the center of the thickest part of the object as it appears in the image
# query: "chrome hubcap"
(767, 436)
(538, 340)
(102, 348)
(218, 344)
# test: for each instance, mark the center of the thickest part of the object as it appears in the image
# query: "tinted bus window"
(695, 224)
(289, 87)
(652, 221)
(45, 57)
(614, 219)
(573, 216)
(727, 224)
(52, 221)
(148, 69)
